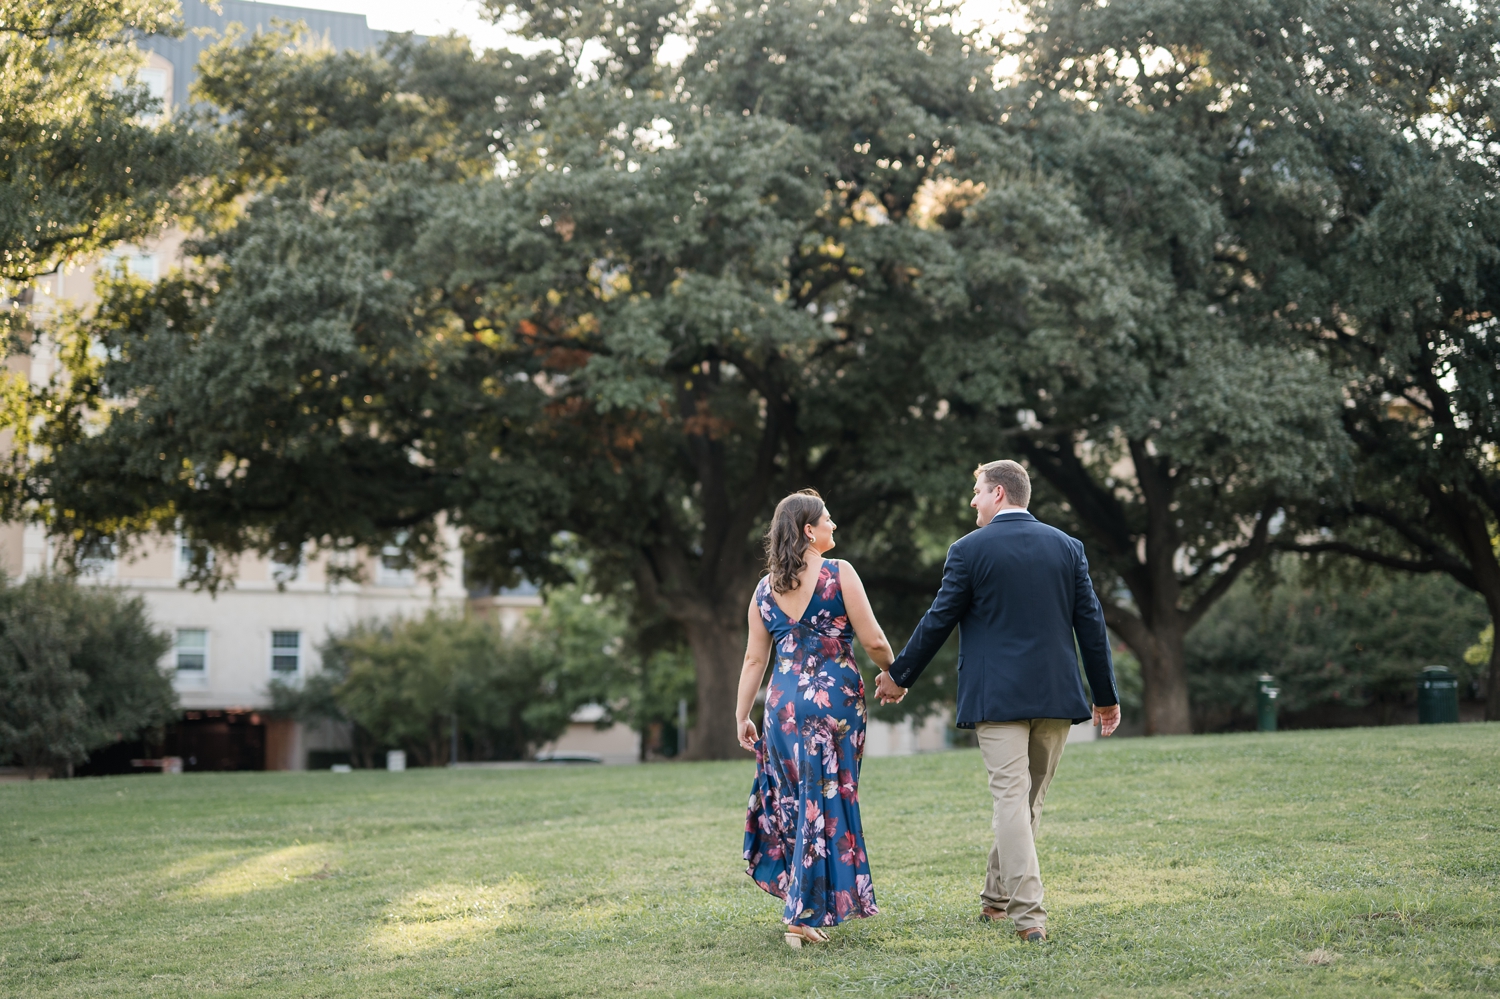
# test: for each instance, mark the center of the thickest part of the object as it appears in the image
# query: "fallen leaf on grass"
(320, 874)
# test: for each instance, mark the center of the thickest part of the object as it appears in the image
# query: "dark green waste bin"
(1266, 692)
(1437, 696)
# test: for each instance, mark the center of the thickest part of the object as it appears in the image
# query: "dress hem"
(750, 873)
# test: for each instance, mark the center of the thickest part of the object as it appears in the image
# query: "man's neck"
(1005, 510)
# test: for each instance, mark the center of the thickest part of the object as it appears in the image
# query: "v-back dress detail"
(803, 838)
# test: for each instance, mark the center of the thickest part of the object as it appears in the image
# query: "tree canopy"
(86, 163)
(1301, 193)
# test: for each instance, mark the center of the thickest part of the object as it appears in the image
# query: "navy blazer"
(1019, 591)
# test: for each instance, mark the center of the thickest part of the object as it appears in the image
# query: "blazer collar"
(1023, 516)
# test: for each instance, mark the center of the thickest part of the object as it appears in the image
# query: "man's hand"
(1108, 719)
(886, 691)
(747, 734)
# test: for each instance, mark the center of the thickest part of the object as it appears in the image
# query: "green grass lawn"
(1204, 866)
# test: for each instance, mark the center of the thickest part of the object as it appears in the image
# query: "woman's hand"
(748, 735)
(886, 689)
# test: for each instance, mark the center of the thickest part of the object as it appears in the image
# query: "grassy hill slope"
(1188, 866)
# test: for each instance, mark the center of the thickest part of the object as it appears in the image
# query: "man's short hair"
(1011, 476)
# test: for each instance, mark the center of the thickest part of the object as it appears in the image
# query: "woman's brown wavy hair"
(786, 542)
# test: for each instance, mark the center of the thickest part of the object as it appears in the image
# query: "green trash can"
(1437, 696)
(1266, 693)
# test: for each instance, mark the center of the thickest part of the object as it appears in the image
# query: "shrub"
(401, 684)
(1330, 641)
(79, 669)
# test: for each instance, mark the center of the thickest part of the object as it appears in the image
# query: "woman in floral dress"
(803, 839)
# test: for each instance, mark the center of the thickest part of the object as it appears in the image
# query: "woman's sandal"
(797, 935)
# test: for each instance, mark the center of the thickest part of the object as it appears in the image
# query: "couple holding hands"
(1019, 591)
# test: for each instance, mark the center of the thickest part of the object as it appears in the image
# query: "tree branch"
(1244, 556)
(1421, 539)
(1131, 629)
(1375, 558)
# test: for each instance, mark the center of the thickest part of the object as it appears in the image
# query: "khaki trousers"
(1021, 757)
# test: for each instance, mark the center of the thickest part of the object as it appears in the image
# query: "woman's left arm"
(862, 617)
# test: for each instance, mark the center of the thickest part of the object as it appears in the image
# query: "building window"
(286, 651)
(394, 568)
(187, 550)
(192, 650)
(98, 560)
(155, 82)
(140, 265)
(286, 565)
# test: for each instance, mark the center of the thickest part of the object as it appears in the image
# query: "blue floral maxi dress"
(803, 838)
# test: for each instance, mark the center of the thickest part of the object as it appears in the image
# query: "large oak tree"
(635, 308)
(1107, 329)
(1347, 156)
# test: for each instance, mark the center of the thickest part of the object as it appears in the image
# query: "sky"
(436, 17)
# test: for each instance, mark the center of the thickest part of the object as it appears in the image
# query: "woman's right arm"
(757, 655)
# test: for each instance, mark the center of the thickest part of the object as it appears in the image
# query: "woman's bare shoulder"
(845, 566)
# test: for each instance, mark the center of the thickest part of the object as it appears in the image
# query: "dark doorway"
(206, 740)
(219, 740)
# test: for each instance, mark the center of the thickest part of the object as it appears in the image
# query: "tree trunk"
(1164, 692)
(718, 643)
(1160, 648)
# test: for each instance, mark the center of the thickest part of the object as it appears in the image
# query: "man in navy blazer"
(1019, 593)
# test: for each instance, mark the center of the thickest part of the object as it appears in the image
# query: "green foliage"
(1480, 652)
(84, 165)
(1331, 641)
(1107, 336)
(1128, 684)
(401, 683)
(637, 670)
(625, 311)
(78, 671)
(43, 719)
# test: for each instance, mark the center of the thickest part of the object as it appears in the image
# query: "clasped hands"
(886, 690)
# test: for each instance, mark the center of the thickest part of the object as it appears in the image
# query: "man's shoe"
(1034, 935)
(990, 914)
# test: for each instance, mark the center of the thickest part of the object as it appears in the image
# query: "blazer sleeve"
(1093, 638)
(938, 623)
